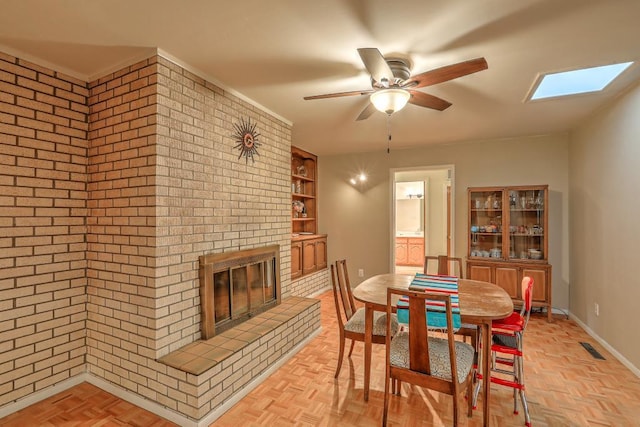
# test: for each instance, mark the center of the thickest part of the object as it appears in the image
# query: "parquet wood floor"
(566, 386)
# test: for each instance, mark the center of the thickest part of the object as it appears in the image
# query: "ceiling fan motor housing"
(400, 70)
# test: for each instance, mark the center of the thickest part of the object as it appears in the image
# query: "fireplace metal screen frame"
(211, 264)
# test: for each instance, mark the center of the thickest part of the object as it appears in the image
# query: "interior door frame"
(449, 204)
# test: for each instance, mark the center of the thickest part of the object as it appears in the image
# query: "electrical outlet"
(597, 309)
(361, 272)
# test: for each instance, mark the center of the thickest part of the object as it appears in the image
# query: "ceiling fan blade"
(339, 94)
(429, 101)
(367, 112)
(446, 73)
(375, 64)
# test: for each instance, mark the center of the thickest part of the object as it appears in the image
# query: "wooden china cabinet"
(308, 248)
(508, 239)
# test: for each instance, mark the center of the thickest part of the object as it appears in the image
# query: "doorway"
(422, 216)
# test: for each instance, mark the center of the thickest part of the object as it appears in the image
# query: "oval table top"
(479, 301)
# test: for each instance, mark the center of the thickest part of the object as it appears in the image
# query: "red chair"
(507, 351)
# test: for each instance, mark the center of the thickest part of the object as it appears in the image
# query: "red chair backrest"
(527, 292)
(527, 296)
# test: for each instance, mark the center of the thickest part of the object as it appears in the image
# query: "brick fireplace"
(138, 178)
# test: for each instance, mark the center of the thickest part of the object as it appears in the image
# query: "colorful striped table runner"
(436, 312)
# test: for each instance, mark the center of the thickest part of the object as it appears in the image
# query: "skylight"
(578, 81)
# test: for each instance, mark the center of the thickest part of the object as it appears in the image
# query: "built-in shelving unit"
(308, 249)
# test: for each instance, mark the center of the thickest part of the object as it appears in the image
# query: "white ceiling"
(277, 51)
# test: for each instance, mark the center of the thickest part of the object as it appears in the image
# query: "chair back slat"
(443, 265)
(446, 266)
(337, 298)
(418, 342)
(345, 288)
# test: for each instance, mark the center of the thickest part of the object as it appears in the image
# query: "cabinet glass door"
(526, 222)
(485, 224)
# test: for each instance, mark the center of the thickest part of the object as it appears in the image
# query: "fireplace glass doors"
(235, 286)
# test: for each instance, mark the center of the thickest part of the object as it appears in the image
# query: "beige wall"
(605, 229)
(358, 219)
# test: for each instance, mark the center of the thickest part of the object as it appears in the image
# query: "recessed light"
(573, 82)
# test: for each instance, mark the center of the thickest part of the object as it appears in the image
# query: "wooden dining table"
(480, 303)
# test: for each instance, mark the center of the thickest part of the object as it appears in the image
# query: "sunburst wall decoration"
(246, 137)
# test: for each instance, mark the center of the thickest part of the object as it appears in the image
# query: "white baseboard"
(147, 404)
(319, 292)
(43, 394)
(606, 345)
(136, 399)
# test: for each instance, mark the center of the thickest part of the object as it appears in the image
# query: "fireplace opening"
(235, 286)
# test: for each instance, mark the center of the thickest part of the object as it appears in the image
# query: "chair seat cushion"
(438, 356)
(356, 323)
(514, 322)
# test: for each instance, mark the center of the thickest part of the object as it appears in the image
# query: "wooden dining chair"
(444, 266)
(422, 356)
(350, 318)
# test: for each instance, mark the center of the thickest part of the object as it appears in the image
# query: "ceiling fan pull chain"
(389, 133)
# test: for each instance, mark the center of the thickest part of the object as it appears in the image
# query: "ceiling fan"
(392, 84)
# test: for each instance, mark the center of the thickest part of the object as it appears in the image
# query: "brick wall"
(208, 200)
(109, 192)
(122, 297)
(166, 186)
(43, 160)
(311, 284)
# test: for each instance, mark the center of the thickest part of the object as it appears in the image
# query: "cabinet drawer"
(479, 272)
(308, 257)
(507, 279)
(296, 259)
(321, 254)
(539, 283)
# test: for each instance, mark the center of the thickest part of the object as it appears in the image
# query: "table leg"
(368, 333)
(486, 371)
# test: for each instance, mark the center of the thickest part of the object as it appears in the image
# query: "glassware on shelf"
(531, 203)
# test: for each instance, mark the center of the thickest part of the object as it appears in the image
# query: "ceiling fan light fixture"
(390, 100)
